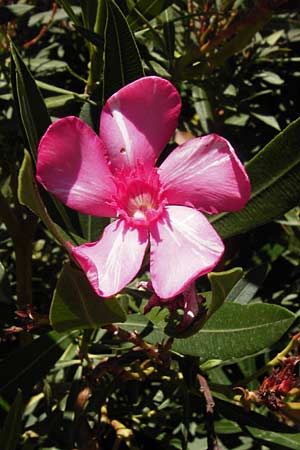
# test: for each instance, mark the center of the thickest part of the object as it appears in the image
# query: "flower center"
(139, 198)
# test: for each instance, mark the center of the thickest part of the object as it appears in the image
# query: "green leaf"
(92, 227)
(75, 304)
(203, 106)
(237, 120)
(35, 119)
(282, 440)
(267, 119)
(11, 430)
(66, 5)
(28, 195)
(91, 36)
(28, 365)
(232, 332)
(10, 12)
(28, 191)
(245, 289)
(275, 178)
(32, 108)
(57, 101)
(270, 77)
(221, 284)
(122, 62)
(148, 8)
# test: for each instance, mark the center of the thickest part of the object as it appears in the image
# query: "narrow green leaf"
(244, 417)
(92, 227)
(245, 289)
(148, 8)
(57, 101)
(232, 332)
(28, 195)
(275, 178)
(221, 284)
(203, 108)
(33, 111)
(122, 62)
(267, 119)
(75, 305)
(11, 430)
(66, 5)
(26, 366)
(35, 119)
(91, 36)
(27, 190)
(282, 440)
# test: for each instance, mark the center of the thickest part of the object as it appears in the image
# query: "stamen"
(139, 199)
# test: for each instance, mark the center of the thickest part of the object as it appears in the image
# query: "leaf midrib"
(212, 330)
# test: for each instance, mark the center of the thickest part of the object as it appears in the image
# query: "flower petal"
(112, 262)
(71, 164)
(138, 121)
(184, 246)
(206, 173)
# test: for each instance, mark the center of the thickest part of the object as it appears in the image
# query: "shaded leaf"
(66, 5)
(33, 111)
(122, 62)
(26, 366)
(92, 226)
(147, 8)
(221, 284)
(28, 195)
(272, 195)
(75, 304)
(91, 36)
(11, 429)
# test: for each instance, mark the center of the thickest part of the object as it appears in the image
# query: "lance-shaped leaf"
(11, 430)
(75, 305)
(147, 8)
(35, 120)
(32, 108)
(232, 332)
(122, 62)
(66, 5)
(275, 178)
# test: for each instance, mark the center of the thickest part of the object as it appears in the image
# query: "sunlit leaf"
(233, 331)
(245, 289)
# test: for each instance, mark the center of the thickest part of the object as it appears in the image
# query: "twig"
(211, 435)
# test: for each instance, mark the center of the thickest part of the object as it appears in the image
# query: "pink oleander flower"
(114, 175)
